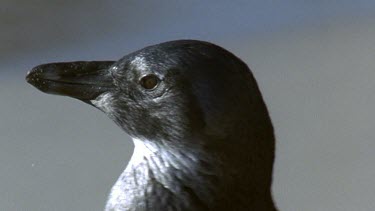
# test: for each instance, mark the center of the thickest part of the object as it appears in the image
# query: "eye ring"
(149, 82)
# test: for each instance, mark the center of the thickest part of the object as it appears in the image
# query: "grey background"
(314, 62)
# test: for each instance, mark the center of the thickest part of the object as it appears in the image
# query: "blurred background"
(314, 62)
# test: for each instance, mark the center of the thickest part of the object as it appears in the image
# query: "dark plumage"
(203, 137)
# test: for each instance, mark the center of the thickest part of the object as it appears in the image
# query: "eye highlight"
(149, 81)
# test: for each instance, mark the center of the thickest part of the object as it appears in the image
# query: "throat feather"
(180, 177)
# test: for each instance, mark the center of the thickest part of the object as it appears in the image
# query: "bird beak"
(81, 80)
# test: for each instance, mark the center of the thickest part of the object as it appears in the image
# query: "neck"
(158, 177)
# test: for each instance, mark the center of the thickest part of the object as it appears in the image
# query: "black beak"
(81, 80)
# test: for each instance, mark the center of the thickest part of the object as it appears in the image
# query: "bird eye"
(149, 81)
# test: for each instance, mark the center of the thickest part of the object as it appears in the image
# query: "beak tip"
(28, 76)
(31, 76)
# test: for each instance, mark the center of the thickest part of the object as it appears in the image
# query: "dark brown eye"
(149, 81)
